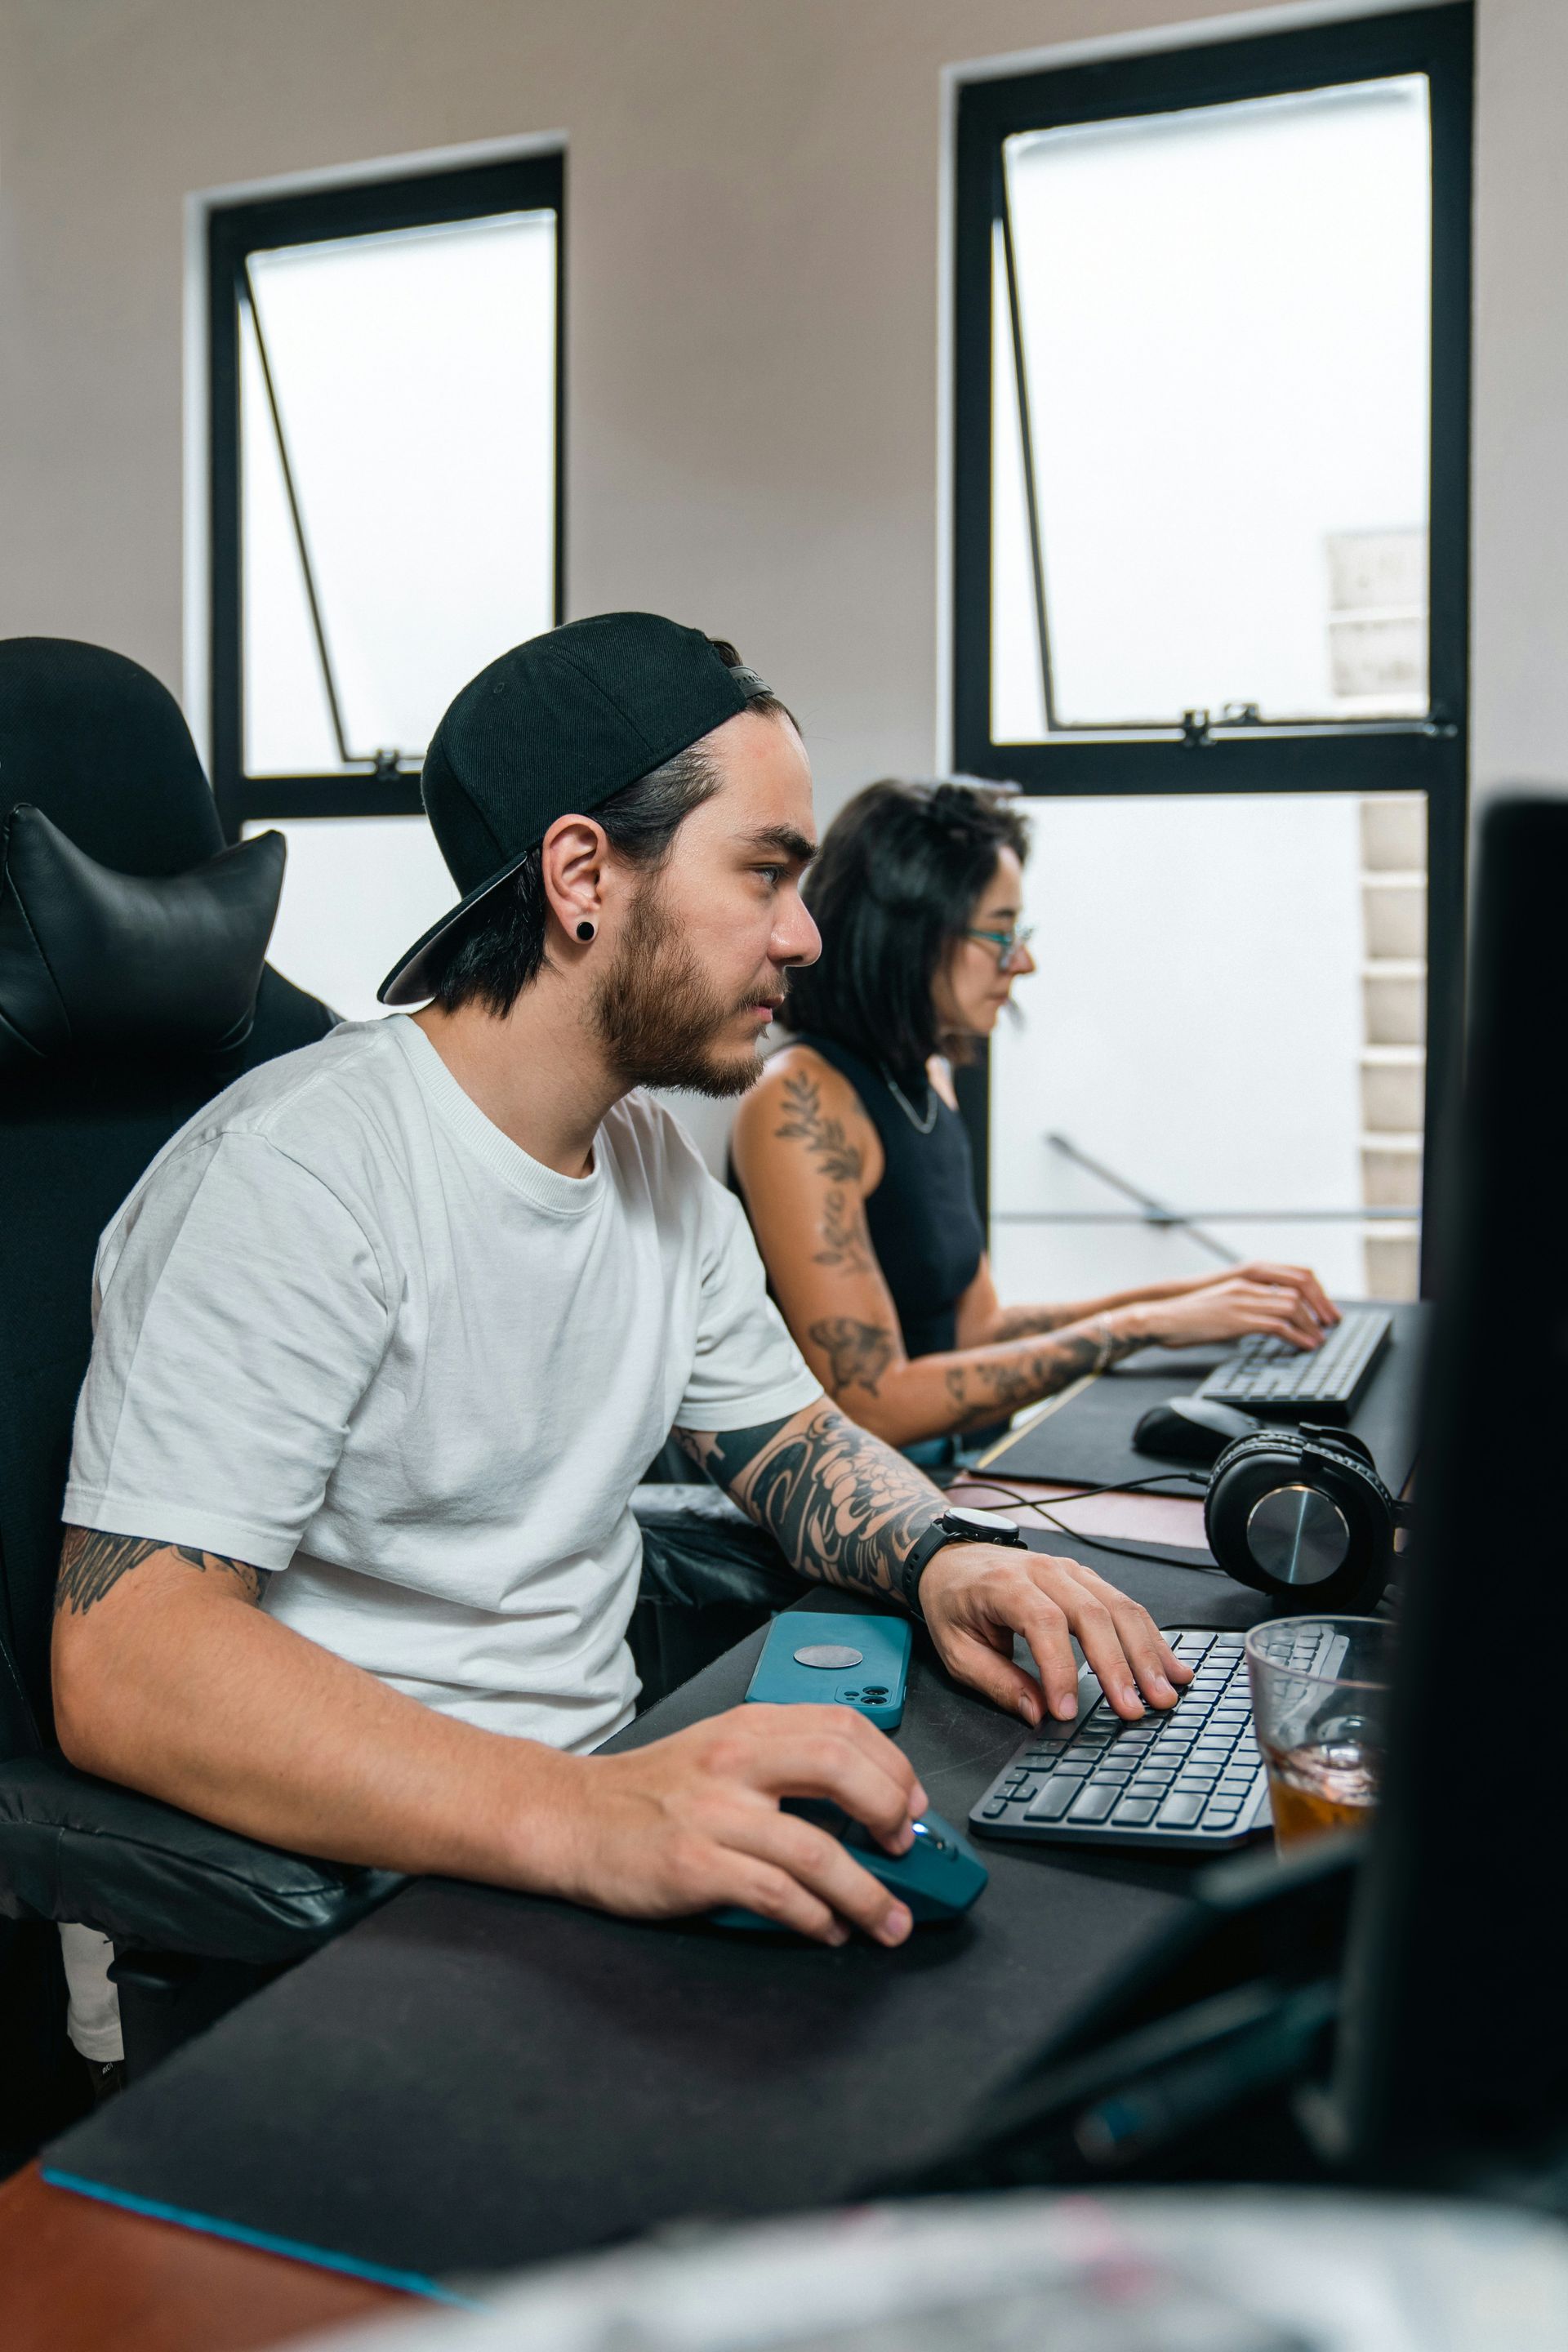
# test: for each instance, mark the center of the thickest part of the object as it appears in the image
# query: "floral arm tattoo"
(842, 1231)
(805, 1122)
(93, 1564)
(1028, 1323)
(983, 1390)
(841, 1505)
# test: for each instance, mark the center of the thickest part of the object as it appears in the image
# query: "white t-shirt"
(348, 1331)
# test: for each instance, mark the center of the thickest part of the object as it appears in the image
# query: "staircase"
(1393, 1033)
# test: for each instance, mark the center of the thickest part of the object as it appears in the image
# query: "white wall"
(1521, 481)
(1195, 1027)
(753, 319)
(755, 394)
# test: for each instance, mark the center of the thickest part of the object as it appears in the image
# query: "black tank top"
(924, 1225)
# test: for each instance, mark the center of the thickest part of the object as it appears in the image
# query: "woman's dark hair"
(893, 888)
(499, 951)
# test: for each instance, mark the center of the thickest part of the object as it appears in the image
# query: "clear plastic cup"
(1320, 1710)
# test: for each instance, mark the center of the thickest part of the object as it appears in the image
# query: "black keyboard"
(1267, 1375)
(1188, 1780)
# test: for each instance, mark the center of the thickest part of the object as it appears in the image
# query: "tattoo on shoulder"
(805, 1122)
(857, 1353)
(845, 1240)
(840, 1504)
(93, 1564)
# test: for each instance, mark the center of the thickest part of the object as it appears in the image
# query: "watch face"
(986, 1525)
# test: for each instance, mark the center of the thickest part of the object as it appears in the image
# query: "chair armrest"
(150, 1876)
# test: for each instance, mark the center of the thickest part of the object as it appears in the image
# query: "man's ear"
(572, 861)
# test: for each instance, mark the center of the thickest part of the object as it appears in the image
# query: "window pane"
(413, 375)
(288, 717)
(357, 890)
(1018, 704)
(1229, 1016)
(1225, 320)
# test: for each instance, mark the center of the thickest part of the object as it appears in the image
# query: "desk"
(79, 2277)
(159, 2289)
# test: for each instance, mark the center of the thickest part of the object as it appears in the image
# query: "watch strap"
(941, 1531)
(924, 1549)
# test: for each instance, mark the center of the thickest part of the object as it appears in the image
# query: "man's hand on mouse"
(976, 1598)
(692, 1822)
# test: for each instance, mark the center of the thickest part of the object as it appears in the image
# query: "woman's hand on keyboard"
(976, 1598)
(1299, 1278)
(1258, 1298)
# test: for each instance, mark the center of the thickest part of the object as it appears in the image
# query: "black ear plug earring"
(584, 930)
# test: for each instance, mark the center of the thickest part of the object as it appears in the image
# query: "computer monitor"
(1450, 2049)
(1454, 2041)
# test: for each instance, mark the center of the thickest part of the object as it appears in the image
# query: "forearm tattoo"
(857, 1353)
(805, 1122)
(983, 1390)
(841, 1505)
(1027, 1323)
(93, 1564)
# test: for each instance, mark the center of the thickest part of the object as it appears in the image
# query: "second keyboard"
(1267, 1375)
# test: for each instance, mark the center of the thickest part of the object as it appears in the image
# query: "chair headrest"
(101, 748)
(93, 961)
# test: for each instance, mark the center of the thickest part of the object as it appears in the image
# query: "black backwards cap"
(549, 729)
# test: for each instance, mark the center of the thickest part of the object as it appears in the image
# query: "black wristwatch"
(952, 1526)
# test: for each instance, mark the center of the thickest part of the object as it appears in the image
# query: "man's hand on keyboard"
(975, 1598)
(1258, 1298)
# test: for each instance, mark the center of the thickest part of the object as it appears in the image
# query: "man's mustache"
(773, 996)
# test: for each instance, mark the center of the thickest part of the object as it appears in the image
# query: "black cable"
(957, 1475)
(1115, 1486)
(1103, 1543)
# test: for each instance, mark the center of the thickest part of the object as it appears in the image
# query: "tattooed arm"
(846, 1508)
(838, 1502)
(982, 1321)
(807, 1158)
(169, 1678)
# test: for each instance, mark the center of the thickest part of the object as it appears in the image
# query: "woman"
(855, 1165)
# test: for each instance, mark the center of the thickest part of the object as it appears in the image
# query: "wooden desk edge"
(80, 2276)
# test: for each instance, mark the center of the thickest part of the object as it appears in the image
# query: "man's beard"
(657, 1015)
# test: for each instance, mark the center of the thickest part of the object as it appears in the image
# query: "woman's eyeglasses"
(1009, 945)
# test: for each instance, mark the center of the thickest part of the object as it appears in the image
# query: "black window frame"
(1358, 756)
(532, 182)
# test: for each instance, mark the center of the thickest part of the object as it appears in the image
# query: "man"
(386, 1335)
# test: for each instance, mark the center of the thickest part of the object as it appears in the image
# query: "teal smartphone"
(814, 1656)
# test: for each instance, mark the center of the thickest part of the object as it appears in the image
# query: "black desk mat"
(470, 2080)
(1088, 1441)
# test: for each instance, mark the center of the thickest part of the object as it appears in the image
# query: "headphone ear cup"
(1303, 1518)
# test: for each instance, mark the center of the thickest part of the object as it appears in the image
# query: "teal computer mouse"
(938, 1878)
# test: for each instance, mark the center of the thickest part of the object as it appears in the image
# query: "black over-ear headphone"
(1301, 1514)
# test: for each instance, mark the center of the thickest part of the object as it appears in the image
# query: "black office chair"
(132, 989)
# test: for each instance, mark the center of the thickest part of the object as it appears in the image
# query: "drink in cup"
(1320, 1709)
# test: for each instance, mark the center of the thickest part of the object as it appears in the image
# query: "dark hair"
(893, 887)
(499, 951)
